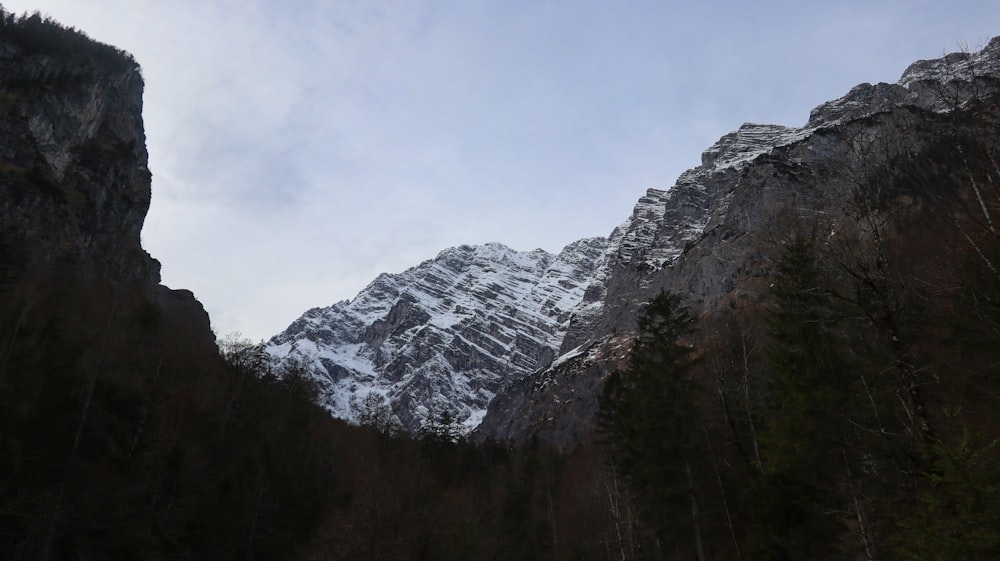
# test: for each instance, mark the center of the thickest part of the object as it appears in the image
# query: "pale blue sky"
(300, 148)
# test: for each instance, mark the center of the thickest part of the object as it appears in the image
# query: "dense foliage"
(39, 34)
(120, 442)
(655, 425)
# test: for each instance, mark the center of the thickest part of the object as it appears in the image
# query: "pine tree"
(957, 512)
(651, 414)
(803, 441)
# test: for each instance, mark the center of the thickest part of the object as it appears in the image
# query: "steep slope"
(443, 336)
(113, 394)
(711, 237)
(74, 182)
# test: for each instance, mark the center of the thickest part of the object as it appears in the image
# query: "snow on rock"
(450, 333)
(446, 334)
(665, 222)
(699, 237)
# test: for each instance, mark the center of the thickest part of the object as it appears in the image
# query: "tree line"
(36, 33)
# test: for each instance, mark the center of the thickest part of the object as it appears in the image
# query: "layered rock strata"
(444, 336)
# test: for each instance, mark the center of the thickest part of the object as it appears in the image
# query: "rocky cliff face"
(454, 331)
(711, 237)
(74, 184)
(444, 336)
(74, 159)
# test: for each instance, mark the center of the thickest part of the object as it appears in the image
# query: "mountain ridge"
(702, 237)
(746, 194)
(501, 313)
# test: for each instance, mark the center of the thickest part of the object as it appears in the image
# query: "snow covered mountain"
(478, 323)
(442, 337)
(710, 238)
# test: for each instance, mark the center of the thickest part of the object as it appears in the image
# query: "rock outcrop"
(75, 187)
(711, 237)
(74, 159)
(444, 336)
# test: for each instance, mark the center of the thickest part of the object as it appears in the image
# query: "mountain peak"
(446, 334)
(450, 333)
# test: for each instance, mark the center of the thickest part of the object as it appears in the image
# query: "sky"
(300, 148)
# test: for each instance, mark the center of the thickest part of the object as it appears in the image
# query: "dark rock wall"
(712, 237)
(75, 184)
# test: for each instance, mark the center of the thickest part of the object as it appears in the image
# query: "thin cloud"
(300, 148)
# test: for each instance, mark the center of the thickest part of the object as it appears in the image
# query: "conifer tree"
(957, 512)
(651, 413)
(803, 440)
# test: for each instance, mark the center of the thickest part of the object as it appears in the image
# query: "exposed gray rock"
(74, 159)
(542, 336)
(74, 179)
(711, 236)
(446, 334)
